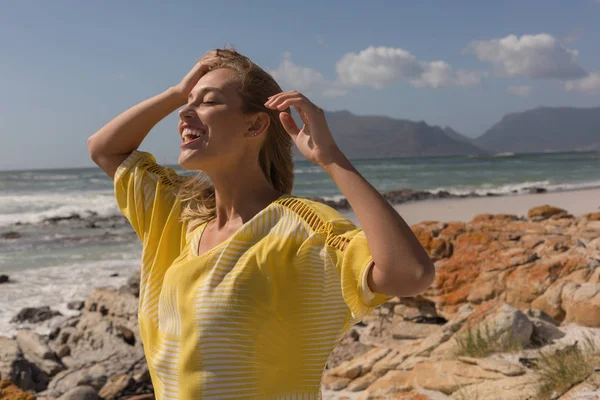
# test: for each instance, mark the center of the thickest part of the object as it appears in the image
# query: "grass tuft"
(482, 341)
(561, 369)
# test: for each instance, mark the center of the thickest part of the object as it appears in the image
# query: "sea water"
(51, 263)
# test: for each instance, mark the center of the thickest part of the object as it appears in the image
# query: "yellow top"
(258, 315)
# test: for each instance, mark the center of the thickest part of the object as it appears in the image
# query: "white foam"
(35, 207)
(508, 189)
(55, 177)
(55, 287)
(518, 188)
(316, 170)
(333, 197)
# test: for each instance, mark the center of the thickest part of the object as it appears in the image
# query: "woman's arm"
(112, 144)
(402, 266)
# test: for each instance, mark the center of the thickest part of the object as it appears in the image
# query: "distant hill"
(544, 129)
(385, 137)
(459, 137)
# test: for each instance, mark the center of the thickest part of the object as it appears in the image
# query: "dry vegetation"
(481, 341)
(561, 369)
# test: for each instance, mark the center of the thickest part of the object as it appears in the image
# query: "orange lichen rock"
(10, 391)
(545, 212)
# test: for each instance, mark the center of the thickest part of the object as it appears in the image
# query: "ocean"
(51, 260)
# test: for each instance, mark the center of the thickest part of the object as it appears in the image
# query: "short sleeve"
(349, 250)
(146, 195)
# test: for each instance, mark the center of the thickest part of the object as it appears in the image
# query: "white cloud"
(520, 91)
(292, 76)
(534, 56)
(589, 84)
(438, 74)
(379, 66)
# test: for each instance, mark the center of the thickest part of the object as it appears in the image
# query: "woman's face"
(212, 125)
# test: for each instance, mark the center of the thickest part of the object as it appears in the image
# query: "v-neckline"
(197, 237)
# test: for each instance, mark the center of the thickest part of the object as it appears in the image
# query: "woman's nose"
(185, 112)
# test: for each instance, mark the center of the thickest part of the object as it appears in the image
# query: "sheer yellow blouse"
(257, 316)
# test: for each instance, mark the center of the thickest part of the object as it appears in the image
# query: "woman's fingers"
(289, 124)
(283, 100)
(274, 101)
(308, 111)
(198, 71)
(192, 77)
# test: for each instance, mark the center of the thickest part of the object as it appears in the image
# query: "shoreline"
(406, 201)
(576, 202)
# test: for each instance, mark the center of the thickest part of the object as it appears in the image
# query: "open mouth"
(192, 134)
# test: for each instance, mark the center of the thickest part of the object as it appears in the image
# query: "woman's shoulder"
(143, 164)
(317, 214)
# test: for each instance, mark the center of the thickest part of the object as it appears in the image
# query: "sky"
(68, 67)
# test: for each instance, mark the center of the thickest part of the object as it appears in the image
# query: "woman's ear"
(259, 124)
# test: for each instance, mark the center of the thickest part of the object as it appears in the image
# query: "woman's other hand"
(314, 140)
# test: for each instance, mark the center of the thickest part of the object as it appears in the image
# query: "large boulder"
(417, 309)
(80, 393)
(411, 330)
(568, 301)
(34, 314)
(14, 367)
(9, 354)
(103, 343)
(111, 302)
(446, 376)
(38, 352)
(581, 303)
(115, 386)
(545, 328)
(546, 211)
(513, 388)
(501, 321)
(133, 284)
(359, 366)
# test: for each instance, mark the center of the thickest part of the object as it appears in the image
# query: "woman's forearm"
(402, 266)
(112, 144)
(126, 132)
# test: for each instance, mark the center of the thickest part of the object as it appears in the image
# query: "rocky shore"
(514, 314)
(97, 354)
(116, 228)
(402, 196)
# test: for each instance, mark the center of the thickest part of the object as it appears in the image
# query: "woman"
(246, 289)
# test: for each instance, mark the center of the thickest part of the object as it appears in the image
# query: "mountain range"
(544, 129)
(539, 130)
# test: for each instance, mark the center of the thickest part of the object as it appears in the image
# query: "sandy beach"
(575, 202)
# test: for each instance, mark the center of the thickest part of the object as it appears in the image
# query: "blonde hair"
(197, 193)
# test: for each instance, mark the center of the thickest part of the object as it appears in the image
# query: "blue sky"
(68, 67)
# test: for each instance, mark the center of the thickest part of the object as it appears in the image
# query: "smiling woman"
(246, 289)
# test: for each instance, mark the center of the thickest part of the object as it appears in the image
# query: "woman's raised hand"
(191, 78)
(314, 140)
